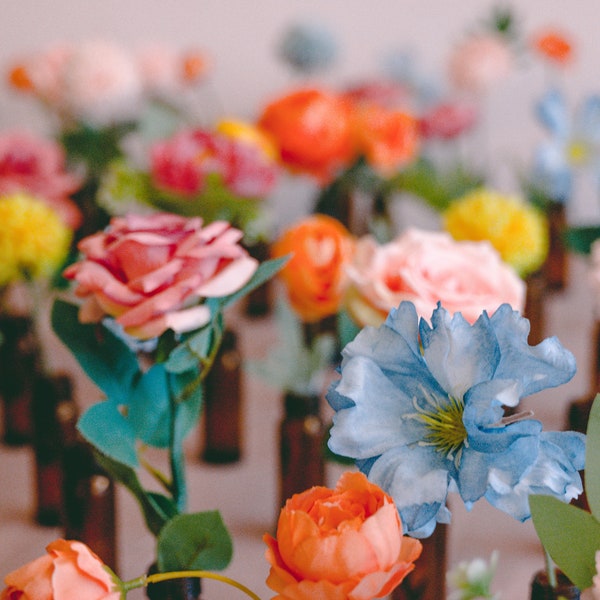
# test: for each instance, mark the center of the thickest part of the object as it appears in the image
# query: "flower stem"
(157, 577)
(550, 570)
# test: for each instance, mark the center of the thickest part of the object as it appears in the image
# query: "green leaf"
(265, 271)
(105, 358)
(571, 536)
(191, 351)
(108, 431)
(580, 239)
(592, 460)
(156, 508)
(148, 410)
(194, 541)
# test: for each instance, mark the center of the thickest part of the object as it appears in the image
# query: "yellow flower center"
(578, 153)
(446, 431)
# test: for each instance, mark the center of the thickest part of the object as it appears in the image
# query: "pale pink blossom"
(427, 267)
(101, 83)
(448, 120)
(479, 62)
(37, 166)
(151, 272)
(160, 69)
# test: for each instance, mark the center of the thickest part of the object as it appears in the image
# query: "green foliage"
(570, 534)
(194, 541)
(436, 188)
(580, 239)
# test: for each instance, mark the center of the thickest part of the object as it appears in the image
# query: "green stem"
(176, 456)
(157, 577)
(550, 571)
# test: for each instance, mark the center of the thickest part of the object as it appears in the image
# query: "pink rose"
(101, 84)
(150, 272)
(427, 267)
(479, 62)
(68, 570)
(447, 120)
(182, 163)
(37, 166)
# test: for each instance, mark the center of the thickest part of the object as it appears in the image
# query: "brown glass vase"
(89, 502)
(301, 438)
(259, 302)
(222, 422)
(556, 265)
(186, 588)
(428, 580)
(19, 364)
(535, 306)
(542, 590)
(54, 414)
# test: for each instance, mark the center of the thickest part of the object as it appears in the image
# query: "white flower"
(472, 579)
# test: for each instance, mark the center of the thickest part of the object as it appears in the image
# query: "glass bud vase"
(542, 590)
(259, 302)
(301, 438)
(556, 265)
(535, 309)
(222, 420)
(187, 588)
(19, 362)
(54, 418)
(89, 502)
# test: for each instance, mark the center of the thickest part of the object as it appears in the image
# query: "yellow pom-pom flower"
(517, 230)
(34, 241)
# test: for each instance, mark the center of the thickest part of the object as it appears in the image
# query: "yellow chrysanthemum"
(517, 230)
(34, 241)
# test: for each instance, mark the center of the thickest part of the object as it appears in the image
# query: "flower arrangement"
(154, 288)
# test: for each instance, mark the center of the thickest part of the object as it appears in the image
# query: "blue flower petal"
(587, 120)
(552, 112)
(417, 479)
(546, 365)
(377, 420)
(551, 171)
(459, 355)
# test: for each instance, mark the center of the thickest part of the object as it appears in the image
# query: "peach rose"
(150, 272)
(69, 570)
(427, 267)
(479, 62)
(321, 248)
(312, 130)
(339, 544)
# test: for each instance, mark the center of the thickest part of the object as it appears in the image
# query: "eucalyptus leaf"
(191, 351)
(148, 410)
(106, 359)
(592, 460)
(103, 426)
(156, 508)
(194, 541)
(580, 239)
(570, 535)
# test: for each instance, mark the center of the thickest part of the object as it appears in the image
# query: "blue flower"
(420, 408)
(308, 47)
(574, 143)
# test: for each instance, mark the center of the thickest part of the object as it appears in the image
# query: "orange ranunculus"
(387, 138)
(312, 130)
(339, 544)
(315, 275)
(554, 45)
(69, 570)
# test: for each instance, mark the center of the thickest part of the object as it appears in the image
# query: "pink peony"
(181, 163)
(150, 272)
(427, 267)
(37, 166)
(447, 120)
(479, 62)
(101, 84)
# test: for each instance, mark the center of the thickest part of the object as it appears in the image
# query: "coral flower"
(517, 230)
(387, 138)
(554, 45)
(70, 569)
(151, 272)
(339, 544)
(315, 276)
(312, 130)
